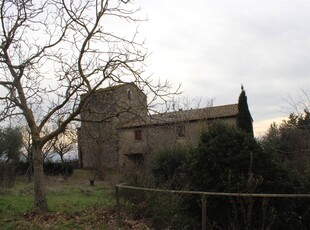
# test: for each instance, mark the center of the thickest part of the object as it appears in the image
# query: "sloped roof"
(215, 112)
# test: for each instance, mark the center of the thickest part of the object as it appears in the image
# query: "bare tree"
(52, 52)
(27, 151)
(64, 143)
(299, 102)
(47, 149)
(290, 139)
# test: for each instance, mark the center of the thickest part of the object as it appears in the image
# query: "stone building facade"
(102, 117)
(118, 133)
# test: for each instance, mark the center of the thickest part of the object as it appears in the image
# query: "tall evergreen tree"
(244, 120)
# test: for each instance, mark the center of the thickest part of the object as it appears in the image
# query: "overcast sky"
(212, 47)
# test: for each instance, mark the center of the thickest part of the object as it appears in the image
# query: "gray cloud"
(214, 46)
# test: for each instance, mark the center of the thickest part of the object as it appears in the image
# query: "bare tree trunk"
(63, 170)
(29, 173)
(39, 185)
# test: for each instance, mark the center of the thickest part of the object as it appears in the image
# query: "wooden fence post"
(203, 212)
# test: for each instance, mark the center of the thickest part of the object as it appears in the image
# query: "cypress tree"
(244, 119)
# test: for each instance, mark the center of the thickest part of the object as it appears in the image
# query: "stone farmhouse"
(117, 133)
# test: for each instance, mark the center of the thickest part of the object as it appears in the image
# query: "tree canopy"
(290, 140)
(227, 157)
(10, 144)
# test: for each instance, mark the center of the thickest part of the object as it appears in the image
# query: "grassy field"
(73, 204)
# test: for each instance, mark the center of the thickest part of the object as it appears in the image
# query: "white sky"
(212, 47)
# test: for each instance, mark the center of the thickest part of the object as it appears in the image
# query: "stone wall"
(103, 115)
(159, 137)
(111, 117)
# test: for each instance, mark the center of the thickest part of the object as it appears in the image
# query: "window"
(138, 135)
(180, 131)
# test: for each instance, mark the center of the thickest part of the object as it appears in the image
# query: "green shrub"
(164, 210)
(7, 174)
(55, 169)
(168, 168)
(226, 160)
(23, 167)
(230, 160)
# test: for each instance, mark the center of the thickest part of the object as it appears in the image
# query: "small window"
(138, 135)
(180, 131)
